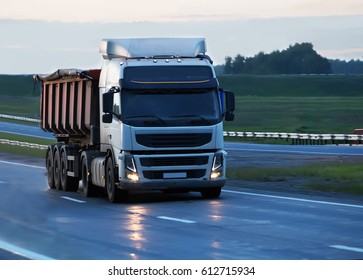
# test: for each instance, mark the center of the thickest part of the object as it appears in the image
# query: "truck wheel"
(113, 193)
(49, 166)
(67, 183)
(89, 189)
(57, 170)
(212, 192)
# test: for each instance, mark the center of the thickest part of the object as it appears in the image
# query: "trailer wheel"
(67, 183)
(49, 166)
(57, 170)
(89, 189)
(113, 193)
(211, 192)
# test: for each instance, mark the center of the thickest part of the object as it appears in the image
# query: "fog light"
(132, 176)
(214, 175)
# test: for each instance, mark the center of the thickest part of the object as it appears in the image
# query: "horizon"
(34, 40)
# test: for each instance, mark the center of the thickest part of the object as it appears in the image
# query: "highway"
(244, 223)
(25, 130)
(38, 223)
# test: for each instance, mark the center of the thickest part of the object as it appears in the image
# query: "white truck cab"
(160, 126)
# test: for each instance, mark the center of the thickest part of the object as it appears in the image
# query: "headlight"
(130, 168)
(130, 163)
(217, 162)
(217, 166)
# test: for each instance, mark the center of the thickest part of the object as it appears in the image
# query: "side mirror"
(230, 105)
(107, 99)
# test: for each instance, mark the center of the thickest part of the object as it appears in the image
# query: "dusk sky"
(40, 36)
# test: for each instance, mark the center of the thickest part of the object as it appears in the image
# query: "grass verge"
(328, 177)
(307, 114)
(23, 150)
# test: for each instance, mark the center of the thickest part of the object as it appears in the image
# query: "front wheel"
(112, 193)
(211, 192)
(89, 189)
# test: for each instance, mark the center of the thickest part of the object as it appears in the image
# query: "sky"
(41, 36)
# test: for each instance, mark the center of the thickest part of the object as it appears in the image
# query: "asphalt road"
(38, 223)
(245, 223)
(26, 130)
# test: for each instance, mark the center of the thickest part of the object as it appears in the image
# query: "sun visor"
(153, 77)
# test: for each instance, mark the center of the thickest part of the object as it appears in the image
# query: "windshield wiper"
(193, 117)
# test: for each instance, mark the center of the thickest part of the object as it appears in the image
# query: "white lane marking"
(21, 164)
(296, 199)
(347, 248)
(176, 219)
(22, 252)
(73, 199)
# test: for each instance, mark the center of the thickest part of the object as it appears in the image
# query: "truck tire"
(89, 189)
(50, 168)
(57, 170)
(211, 192)
(113, 193)
(67, 183)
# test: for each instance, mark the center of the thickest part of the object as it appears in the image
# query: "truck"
(151, 119)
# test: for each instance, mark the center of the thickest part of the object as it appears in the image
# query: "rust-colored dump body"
(70, 103)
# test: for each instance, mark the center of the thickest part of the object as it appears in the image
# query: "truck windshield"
(171, 107)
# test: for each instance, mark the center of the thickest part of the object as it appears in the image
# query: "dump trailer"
(150, 119)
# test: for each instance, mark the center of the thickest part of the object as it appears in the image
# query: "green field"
(280, 103)
(24, 150)
(19, 96)
(303, 104)
(294, 85)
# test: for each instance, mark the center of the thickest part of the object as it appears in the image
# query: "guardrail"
(4, 116)
(23, 144)
(296, 138)
(301, 138)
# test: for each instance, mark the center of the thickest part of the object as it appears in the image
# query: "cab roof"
(152, 47)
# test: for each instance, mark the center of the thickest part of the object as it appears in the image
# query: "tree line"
(296, 59)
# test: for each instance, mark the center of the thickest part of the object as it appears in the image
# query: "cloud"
(171, 10)
(350, 53)
(73, 50)
(14, 46)
(42, 46)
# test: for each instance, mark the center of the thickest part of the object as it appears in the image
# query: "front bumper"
(192, 171)
(182, 185)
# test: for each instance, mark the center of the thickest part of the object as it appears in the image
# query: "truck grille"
(173, 140)
(191, 174)
(175, 161)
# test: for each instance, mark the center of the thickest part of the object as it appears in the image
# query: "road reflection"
(216, 216)
(215, 210)
(134, 226)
